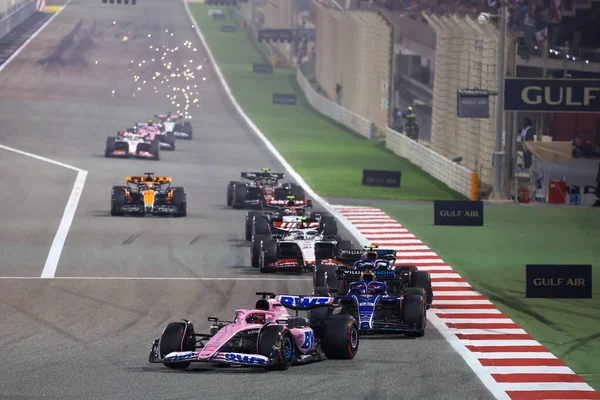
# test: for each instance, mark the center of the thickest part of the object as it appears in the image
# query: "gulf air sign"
(552, 95)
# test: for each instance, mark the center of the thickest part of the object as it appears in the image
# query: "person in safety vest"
(411, 126)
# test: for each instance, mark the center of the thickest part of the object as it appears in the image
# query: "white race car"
(298, 249)
(175, 123)
(128, 144)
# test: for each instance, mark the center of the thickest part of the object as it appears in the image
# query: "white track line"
(16, 53)
(67, 219)
(142, 278)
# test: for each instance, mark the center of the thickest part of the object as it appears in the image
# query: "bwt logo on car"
(304, 302)
(244, 359)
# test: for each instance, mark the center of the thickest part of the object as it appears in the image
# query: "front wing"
(238, 359)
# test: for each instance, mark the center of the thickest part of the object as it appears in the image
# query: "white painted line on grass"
(145, 278)
(16, 53)
(67, 219)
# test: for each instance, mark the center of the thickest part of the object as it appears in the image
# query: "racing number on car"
(309, 340)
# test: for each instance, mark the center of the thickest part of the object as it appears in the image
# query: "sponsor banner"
(262, 68)
(284, 99)
(558, 281)
(373, 177)
(552, 95)
(458, 213)
(229, 28)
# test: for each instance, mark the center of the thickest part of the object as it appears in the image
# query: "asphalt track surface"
(89, 338)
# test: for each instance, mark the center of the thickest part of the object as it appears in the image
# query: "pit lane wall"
(452, 174)
(13, 13)
(351, 120)
(354, 50)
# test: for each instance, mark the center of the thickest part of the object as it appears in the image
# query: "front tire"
(180, 201)
(117, 200)
(277, 343)
(177, 336)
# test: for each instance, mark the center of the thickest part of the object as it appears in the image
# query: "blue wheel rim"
(286, 348)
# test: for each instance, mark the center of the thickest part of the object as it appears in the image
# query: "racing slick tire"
(255, 246)
(180, 201)
(187, 128)
(343, 245)
(324, 277)
(329, 225)
(177, 336)
(230, 186)
(277, 343)
(239, 196)
(414, 311)
(260, 225)
(117, 199)
(250, 223)
(297, 191)
(169, 138)
(110, 146)
(340, 337)
(270, 254)
(422, 279)
(155, 149)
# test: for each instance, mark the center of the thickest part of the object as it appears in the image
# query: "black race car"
(261, 188)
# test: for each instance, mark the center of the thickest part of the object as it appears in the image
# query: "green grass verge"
(329, 156)
(492, 259)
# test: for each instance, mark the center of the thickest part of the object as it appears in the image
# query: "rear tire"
(177, 336)
(250, 223)
(329, 225)
(255, 246)
(187, 128)
(180, 201)
(260, 225)
(277, 343)
(340, 337)
(422, 279)
(117, 200)
(239, 196)
(155, 149)
(297, 192)
(169, 139)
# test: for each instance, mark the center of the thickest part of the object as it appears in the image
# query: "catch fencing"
(333, 110)
(465, 58)
(13, 13)
(354, 60)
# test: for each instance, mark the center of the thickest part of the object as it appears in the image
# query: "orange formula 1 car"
(148, 194)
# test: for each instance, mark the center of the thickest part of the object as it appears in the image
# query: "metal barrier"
(353, 60)
(466, 57)
(351, 120)
(454, 175)
(16, 17)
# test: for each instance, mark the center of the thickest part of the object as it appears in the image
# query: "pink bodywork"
(304, 336)
(149, 132)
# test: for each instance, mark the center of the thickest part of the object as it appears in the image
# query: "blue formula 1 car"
(384, 298)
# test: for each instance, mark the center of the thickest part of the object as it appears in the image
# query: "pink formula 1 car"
(266, 336)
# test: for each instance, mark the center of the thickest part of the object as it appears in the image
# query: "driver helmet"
(291, 203)
(367, 276)
(369, 256)
(255, 318)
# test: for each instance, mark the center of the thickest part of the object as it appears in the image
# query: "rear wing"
(255, 175)
(382, 275)
(301, 302)
(153, 179)
(284, 203)
(355, 254)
